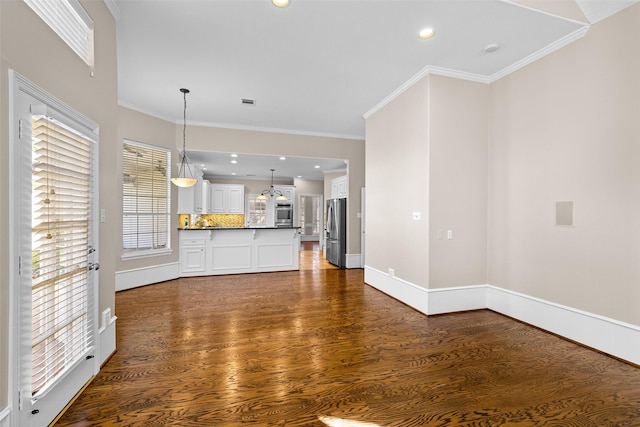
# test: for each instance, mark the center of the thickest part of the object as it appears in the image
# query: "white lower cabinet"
(243, 250)
(193, 259)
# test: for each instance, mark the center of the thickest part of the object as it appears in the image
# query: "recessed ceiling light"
(299, 176)
(204, 169)
(234, 161)
(317, 166)
(233, 173)
(426, 33)
(234, 155)
(283, 158)
(280, 3)
(490, 48)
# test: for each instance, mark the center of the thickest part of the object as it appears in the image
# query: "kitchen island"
(216, 250)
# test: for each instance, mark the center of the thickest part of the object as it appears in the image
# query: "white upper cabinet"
(340, 187)
(227, 198)
(288, 191)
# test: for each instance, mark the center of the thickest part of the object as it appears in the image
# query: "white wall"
(566, 128)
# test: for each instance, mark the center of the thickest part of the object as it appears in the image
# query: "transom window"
(71, 22)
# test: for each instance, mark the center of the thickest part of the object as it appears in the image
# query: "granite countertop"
(239, 228)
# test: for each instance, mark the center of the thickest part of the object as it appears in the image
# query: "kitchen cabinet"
(194, 199)
(193, 260)
(288, 191)
(340, 187)
(238, 250)
(227, 198)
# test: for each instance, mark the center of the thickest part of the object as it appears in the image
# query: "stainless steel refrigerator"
(336, 244)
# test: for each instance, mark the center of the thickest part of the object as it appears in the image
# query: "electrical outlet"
(392, 272)
(449, 234)
(416, 216)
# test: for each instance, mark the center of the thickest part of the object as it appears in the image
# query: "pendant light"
(271, 191)
(182, 180)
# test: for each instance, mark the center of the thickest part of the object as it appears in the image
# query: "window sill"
(145, 254)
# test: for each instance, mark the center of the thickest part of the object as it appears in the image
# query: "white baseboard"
(137, 277)
(608, 335)
(449, 300)
(107, 335)
(4, 417)
(353, 261)
(413, 295)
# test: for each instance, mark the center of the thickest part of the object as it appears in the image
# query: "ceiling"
(255, 166)
(317, 67)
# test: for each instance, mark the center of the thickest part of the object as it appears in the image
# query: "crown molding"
(238, 127)
(558, 44)
(113, 8)
(276, 130)
(429, 69)
(462, 75)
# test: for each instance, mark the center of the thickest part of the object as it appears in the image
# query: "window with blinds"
(61, 205)
(146, 200)
(71, 22)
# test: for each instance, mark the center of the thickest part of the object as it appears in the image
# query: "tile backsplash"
(211, 220)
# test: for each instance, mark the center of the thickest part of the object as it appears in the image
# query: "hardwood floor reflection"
(312, 257)
(318, 347)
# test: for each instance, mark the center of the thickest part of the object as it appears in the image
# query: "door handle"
(93, 266)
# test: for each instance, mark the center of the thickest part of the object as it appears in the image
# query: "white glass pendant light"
(184, 180)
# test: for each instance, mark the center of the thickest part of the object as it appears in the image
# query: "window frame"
(132, 253)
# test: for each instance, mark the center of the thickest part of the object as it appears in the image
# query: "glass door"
(56, 309)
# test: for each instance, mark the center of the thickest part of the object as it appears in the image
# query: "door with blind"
(54, 218)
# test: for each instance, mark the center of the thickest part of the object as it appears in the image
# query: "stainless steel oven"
(284, 215)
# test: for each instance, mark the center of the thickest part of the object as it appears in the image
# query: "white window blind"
(71, 22)
(146, 198)
(61, 205)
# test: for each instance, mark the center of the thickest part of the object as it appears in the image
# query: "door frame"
(18, 237)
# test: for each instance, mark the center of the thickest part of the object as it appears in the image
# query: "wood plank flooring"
(318, 347)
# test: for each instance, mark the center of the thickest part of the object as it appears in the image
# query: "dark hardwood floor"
(318, 347)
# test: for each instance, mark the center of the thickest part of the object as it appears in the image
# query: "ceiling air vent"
(246, 101)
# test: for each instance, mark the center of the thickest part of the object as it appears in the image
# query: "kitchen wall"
(30, 48)
(565, 128)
